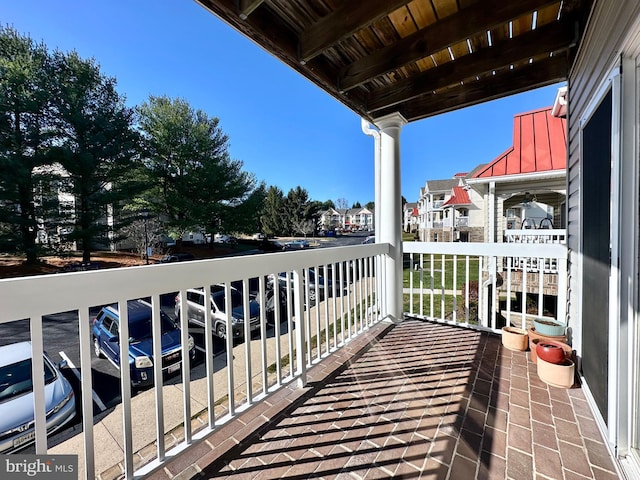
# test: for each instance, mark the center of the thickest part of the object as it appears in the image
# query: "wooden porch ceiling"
(419, 57)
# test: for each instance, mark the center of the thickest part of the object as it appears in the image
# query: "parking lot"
(60, 333)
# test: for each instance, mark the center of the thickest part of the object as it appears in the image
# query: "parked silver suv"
(196, 312)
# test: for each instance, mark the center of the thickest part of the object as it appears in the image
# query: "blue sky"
(287, 131)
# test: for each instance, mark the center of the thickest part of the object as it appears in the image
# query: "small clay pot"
(515, 339)
(550, 352)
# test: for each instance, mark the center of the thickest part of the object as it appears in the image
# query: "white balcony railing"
(157, 424)
(556, 235)
(482, 284)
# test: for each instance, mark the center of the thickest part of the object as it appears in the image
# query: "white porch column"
(390, 207)
(492, 212)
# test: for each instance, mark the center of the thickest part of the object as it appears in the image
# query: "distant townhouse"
(410, 217)
(360, 219)
(448, 211)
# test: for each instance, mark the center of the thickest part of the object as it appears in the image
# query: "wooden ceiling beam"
(351, 16)
(509, 82)
(554, 37)
(479, 17)
(247, 7)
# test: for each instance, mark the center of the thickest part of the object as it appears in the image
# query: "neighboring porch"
(412, 400)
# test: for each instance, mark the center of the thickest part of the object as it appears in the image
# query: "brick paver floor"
(415, 400)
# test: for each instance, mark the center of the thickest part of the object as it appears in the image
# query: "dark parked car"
(177, 257)
(106, 341)
(16, 397)
(297, 244)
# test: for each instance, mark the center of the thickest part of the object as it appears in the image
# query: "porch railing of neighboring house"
(555, 235)
(484, 285)
(245, 374)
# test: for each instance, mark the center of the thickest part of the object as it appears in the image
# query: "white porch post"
(390, 207)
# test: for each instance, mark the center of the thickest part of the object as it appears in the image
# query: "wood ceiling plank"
(440, 35)
(445, 8)
(460, 49)
(422, 13)
(352, 16)
(403, 22)
(548, 14)
(441, 57)
(508, 82)
(545, 39)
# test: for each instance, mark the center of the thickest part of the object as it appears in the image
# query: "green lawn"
(461, 266)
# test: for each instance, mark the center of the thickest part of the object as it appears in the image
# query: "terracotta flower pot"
(551, 352)
(515, 339)
(560, 375)
(533, 333)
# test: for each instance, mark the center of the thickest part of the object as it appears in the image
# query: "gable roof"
(460, 196)
(539, 145)
(442, 185)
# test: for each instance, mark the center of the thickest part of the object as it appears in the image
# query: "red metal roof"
(460, 197)
(539, 145)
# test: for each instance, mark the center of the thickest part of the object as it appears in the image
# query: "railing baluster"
(542, 268)
(360, 290)
(301, 359)
(209, 354)
(125, 385)
(342, 299)
(455, 288)
(156, 327)
(509, 266)
(277, 316)
(334, 306)
(229, 344)
(37, 381)
(421, 284)
(431, 313)
(351, 266)
(443, 282)
(263, 332)
(247, 341)
(84, 334)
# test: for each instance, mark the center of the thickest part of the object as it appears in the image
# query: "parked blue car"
(106, 341)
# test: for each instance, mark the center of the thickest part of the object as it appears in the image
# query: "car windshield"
(236, 300)
(15, 379)
(141, 329)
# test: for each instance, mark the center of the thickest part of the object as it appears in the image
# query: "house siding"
(612, 33)
(609, 24)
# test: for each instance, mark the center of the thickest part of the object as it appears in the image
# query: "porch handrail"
(445, 276)
(356, 269)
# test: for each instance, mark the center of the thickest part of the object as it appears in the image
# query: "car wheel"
(96, 347)
(312, 295)
(221, 331)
